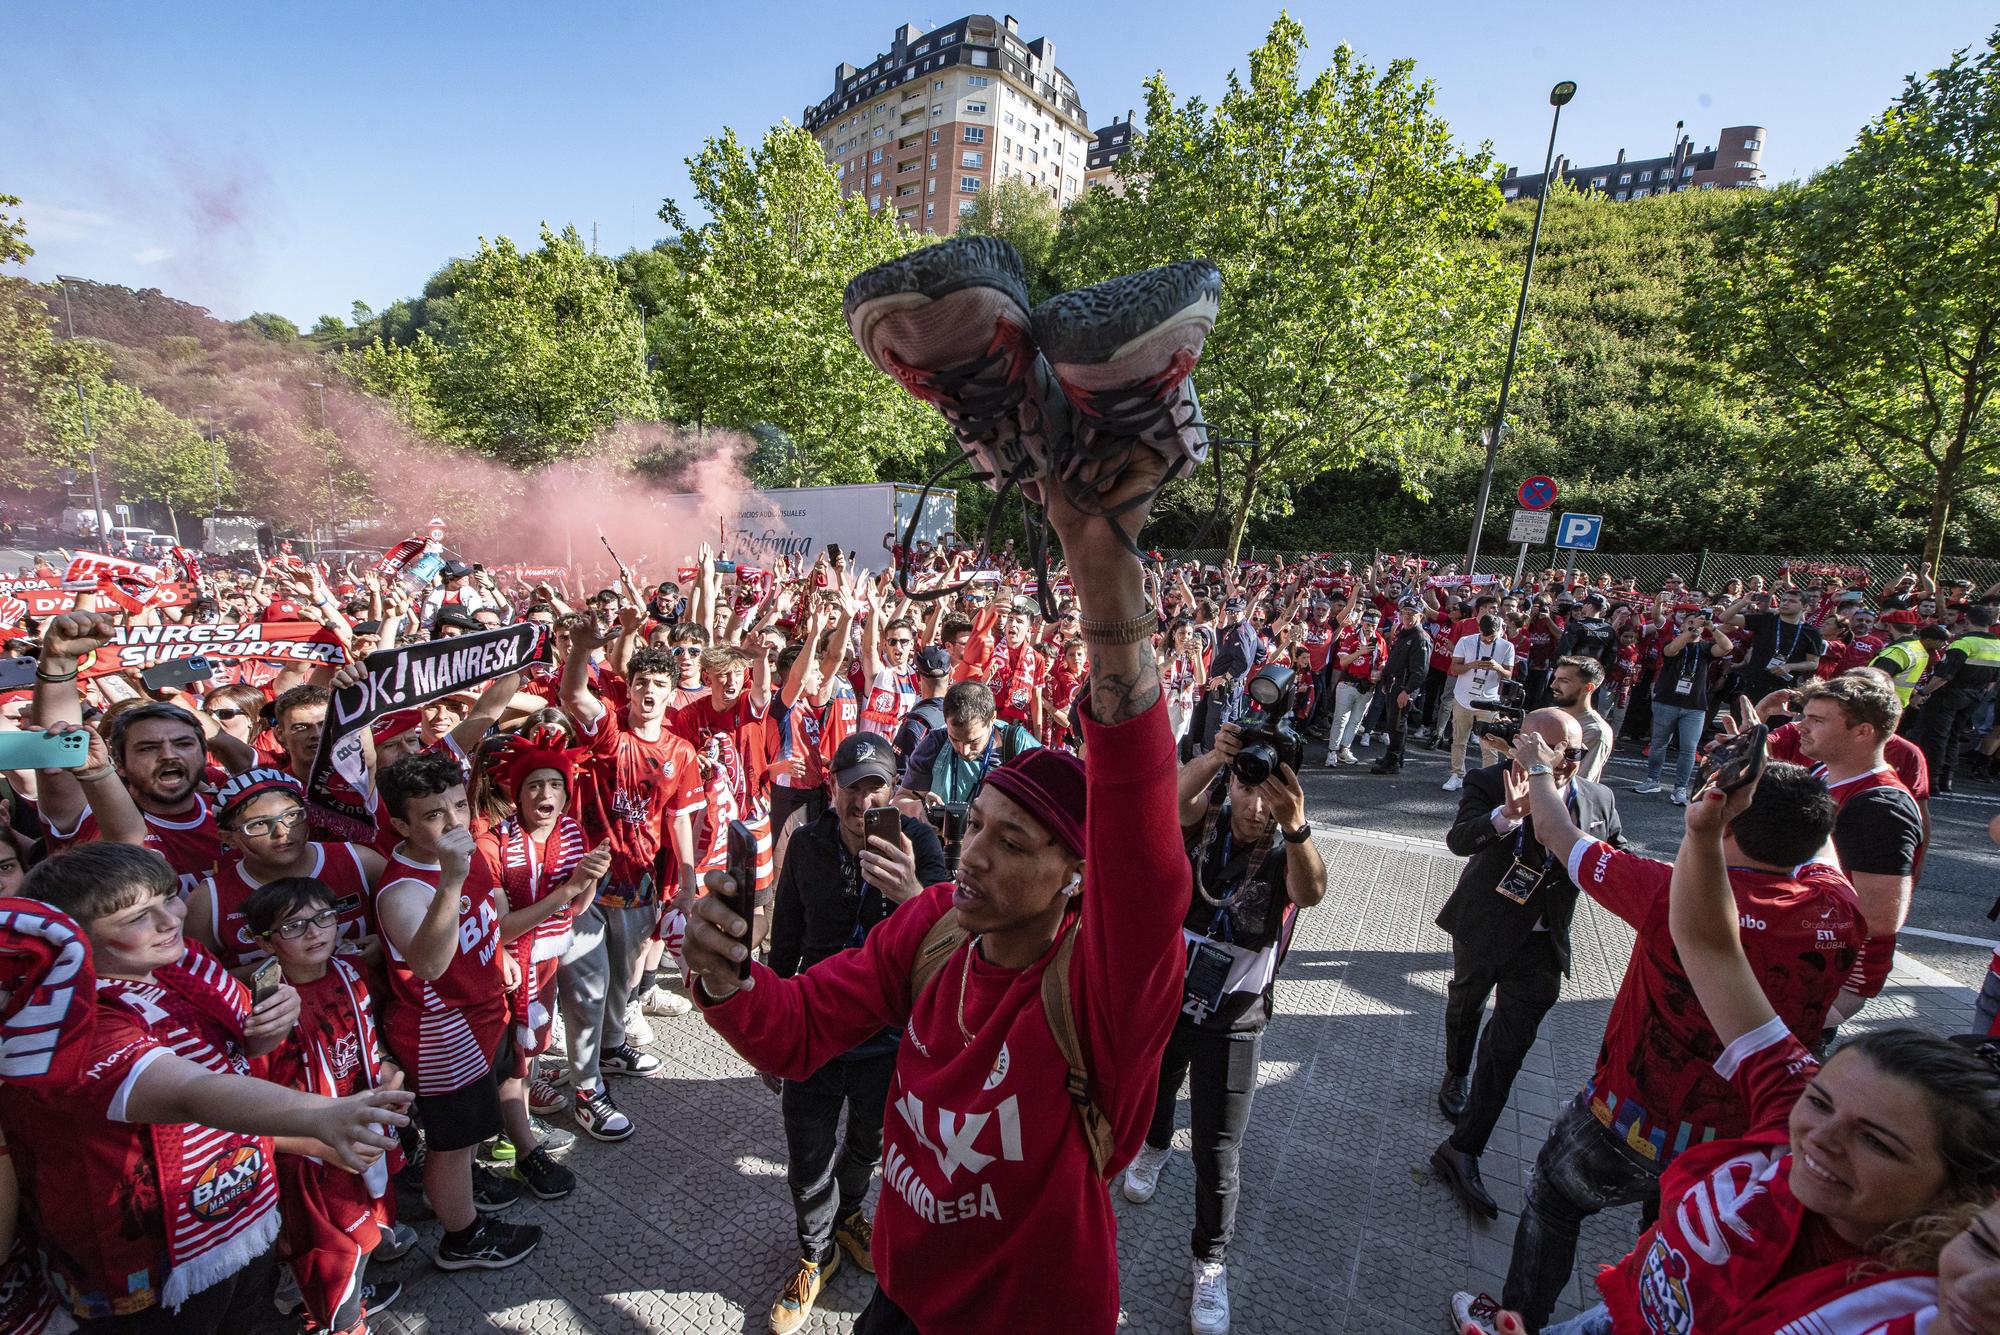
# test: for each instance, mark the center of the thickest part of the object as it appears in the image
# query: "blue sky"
(280, 157)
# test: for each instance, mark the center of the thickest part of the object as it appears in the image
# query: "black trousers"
(1527, 984)
(829, 1173)
(1221, 1070)
(882, 1317)
(1436, 688)
(1942, 724)
(1397, 722)
(241, 1302)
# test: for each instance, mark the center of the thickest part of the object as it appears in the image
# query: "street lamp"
(314, 384)
(1559, 97)
(89, 440)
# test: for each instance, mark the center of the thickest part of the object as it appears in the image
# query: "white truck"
(761, 526)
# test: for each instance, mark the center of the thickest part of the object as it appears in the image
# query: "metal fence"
(1701, 570)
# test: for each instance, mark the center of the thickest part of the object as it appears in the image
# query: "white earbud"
(1075, 883)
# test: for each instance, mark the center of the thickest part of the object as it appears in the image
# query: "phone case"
(40, 750)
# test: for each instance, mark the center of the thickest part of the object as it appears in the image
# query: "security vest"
(1911, 660)
(1982, 662)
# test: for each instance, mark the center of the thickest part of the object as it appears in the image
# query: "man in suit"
(1509, 920)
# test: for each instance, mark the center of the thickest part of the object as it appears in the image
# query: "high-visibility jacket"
(1980, 668)
(1906, 662)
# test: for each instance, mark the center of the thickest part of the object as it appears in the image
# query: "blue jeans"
(1597, 1321)
(1671, 721)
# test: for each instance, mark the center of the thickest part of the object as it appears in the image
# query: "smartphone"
(1733, 763)
(833, 551)
(177, 672)
(885, 823)
(742, 871)
(264, 980)
(17, 674)
(41, 750)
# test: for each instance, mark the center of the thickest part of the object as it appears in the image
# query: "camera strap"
(1253, 861)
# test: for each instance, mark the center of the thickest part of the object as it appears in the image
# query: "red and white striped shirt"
(445, 1031)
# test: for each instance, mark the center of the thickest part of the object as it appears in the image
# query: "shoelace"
(798, 1289)
(982, 403)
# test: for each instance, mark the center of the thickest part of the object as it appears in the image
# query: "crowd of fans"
(908, 846)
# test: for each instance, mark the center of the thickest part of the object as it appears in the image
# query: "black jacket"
(1481, 920)
(820, 901)
(1409, 659)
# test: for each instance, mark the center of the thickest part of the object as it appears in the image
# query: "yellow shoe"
(801, 1291)
(856, 1234)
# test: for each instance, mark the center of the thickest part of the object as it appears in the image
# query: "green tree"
(330, 325)
(747, 310)
(1866, 302)
(1344, 221)
(274, 327)
(1026, 217)
(545, 354)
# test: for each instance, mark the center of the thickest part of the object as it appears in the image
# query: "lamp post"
(89, 440)
(1559, 97)
(314, 384)
(207, 411)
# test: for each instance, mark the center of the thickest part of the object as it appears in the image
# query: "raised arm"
(1702, 914)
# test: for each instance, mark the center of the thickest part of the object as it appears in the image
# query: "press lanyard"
(1785, 653)
(1521, 834)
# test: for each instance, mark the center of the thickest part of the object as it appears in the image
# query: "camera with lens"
(1503, 713)
(948, 819)
(1269, 740)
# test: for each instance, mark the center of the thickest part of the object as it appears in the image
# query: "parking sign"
(1579, 533)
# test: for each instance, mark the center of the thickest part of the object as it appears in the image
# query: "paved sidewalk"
(688, 1228)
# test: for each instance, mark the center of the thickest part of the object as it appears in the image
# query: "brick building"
(944, 114)
(1733, 163)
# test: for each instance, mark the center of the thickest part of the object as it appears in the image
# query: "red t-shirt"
(190, 842)
(627, 788)
(741, 739)
(445, 1031)
(1841, 655)
(1654, 1085)
(337, 866)
(1015, 674)
(1903, 755)
(1318, 639)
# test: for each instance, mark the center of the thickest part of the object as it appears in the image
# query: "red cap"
(284, 609)
(391, 726)
(1903, 616)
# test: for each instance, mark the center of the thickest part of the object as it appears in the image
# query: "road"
(1948, 929)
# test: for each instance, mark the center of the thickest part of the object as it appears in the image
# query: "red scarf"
(46, 986)
(527, 882)
(335, 1051)
(218, 1190)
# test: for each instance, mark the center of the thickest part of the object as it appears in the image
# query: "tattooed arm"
(1111, 587)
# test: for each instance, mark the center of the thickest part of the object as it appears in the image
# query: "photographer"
(949, 764)
(1480, 661)
(1255, 867)
(1509, 920)
(1680, 698)
(836, 885)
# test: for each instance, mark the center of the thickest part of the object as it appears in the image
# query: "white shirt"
(1481, 683)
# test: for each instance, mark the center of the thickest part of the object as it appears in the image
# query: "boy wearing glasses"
(262, 816)
(332, 1221)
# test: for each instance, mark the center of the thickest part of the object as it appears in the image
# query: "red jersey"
(890, 696)
(1318, 639)
(336, 866)
(627, 789)
(1654, 1085)
(190, 842)
(984, 1165)
(1733, 1249)
(1841, 655)
(445, 1031)
(1015, 674)
(1368, 644)
(742, 739)
(1903, 755)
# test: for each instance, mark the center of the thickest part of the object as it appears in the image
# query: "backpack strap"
(1058, 1007)
(940, 943)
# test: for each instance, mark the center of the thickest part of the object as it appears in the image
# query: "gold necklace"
(964, 976)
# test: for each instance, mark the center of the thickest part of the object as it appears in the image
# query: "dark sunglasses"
(685, 651)
(225, 714)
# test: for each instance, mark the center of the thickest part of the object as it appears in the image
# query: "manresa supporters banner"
(135, 647)
(404, 678)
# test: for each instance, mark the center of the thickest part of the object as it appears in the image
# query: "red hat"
(523, 754)
(1903, 616)
(283, 609)
(1049, 784)
(250, 785)
(391, 726)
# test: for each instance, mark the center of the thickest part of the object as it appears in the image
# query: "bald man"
(1509, 920)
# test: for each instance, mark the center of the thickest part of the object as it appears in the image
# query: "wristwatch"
(1305, 833)
(1539, 769)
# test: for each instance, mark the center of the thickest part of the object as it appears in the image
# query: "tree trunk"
(1249, 495)
(1947, 478)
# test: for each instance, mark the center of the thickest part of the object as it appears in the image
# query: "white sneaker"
(1679, 797)
(1454, 783)
(659, 1001)
(1649, 786)
(637, 1031)
(1142, 1179)
(1365, 739)
(1208, 1313)
(1473, 1313)
(1347, 757)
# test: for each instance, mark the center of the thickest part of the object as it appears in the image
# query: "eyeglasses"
(688, 651)
(295, 928)
(226, 714)
(902, 643)
(265, 825)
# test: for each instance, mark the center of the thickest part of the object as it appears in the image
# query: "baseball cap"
(283, 609)
(250, 785)
(864, 755)
(453, 615)
(932, 661)
(455, 570)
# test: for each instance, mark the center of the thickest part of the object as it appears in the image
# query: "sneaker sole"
(1110, 320)
(481, 1263)
(608, 1137)
(541, 1195)
(1135, 1197)
(608, 1069)
(491, 1210)
(931, 275)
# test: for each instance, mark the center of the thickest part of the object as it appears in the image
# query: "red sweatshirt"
(986, 1175)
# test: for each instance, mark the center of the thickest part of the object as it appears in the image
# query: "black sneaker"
(397, 1240)
(491, 1245)
(950, 323)
(492, 1193)
(627, 1060)
(379, 1296)
(548, 1179)
(1124, 351)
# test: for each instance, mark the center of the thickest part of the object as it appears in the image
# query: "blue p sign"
(1579, 532)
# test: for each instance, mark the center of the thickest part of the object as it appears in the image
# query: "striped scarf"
(526, 883)
(218, 1190)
